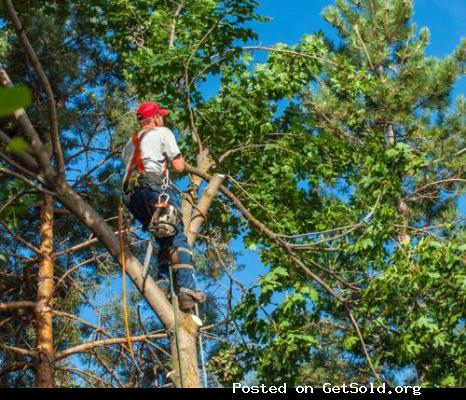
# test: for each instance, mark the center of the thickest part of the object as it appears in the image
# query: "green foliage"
(363, 136)
(369, 130)
(13, 98)
(17, 145)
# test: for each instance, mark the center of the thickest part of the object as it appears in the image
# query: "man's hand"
(178, 163)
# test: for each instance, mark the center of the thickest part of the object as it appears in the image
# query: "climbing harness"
(164, 219)
(136, 167)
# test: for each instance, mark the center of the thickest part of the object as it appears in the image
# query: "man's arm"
(178, 163)
(172, 151)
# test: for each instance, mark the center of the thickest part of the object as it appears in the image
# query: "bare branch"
(18, 350)
(17, 366)
(20, 239)
(289, 52)
(82, 348)
(25, 159)
(17, 305)
(25, 180)
(179, 7)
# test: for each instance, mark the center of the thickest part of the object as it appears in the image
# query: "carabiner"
(164, 195)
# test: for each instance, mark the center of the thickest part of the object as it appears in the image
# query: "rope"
(175, 312)
(123, 266)
(201, 350)
(147, 258)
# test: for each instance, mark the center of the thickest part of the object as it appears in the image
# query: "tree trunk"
(403, 236)
(187, 363)
(44, 368)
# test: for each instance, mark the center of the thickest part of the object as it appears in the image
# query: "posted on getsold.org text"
(348, 388)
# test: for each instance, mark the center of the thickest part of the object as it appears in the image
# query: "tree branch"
(200, 212)
(17, 305)
(20, 239)
(18, 350)
(31, 54)
(31, 134)
(82, 348)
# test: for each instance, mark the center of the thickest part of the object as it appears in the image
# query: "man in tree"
(146, 157)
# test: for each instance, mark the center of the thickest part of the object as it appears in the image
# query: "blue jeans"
(141, 204)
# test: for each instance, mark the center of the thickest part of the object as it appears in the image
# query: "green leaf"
(17, 145)
(12, 98)
(349, 342)
(311, 292)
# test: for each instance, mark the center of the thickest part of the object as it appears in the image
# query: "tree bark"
(200, 211)
(187, 345)
(44, 367)
(403, 237)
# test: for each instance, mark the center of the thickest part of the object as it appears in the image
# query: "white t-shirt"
(154, 143)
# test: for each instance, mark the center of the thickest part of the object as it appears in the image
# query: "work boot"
(164, 286)
(188, 298)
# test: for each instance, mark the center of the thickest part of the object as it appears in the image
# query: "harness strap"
(136, 159)
(182, 266)
(137, 156)
(184, 250)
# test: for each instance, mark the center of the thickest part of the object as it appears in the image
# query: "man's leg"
(183, 268)
(141, 205)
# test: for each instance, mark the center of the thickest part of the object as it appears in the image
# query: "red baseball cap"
(148, 109)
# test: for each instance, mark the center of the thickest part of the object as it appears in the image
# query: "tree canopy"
(342, 165)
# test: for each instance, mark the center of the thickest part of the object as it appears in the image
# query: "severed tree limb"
(200, 211)
(32, 56)
(237, 203)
